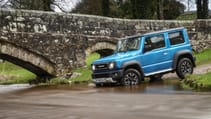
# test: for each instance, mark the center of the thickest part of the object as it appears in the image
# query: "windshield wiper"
(122, 51)
(132, 49)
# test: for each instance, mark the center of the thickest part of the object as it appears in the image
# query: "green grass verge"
(203, 79)
(190, 16)
(86, 71)
(198, 82)
(203, 57)
(13, 74)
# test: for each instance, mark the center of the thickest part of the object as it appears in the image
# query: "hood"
(116, 57)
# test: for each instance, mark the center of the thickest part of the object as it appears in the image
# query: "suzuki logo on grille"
(101, 66)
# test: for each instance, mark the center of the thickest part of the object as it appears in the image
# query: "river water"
(158, 100)
(160, 87)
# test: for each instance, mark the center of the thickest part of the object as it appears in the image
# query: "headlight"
(93, 67)
(111, 65)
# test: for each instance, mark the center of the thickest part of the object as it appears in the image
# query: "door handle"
(165, 53)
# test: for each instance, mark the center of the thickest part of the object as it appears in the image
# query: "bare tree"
(189, 3)
(105, 7)
(4, 3)
(65, 5)
(27, 4)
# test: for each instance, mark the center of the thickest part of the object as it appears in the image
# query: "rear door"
(177, 42)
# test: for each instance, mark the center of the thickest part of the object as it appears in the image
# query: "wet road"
(161, 100)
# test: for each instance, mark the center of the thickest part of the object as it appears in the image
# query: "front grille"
(100, 76)
(101, 66)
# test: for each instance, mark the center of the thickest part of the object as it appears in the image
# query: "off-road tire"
(131, 77)
(184, 67)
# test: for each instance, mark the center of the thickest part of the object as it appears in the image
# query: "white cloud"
(192, 4)
(64, 5)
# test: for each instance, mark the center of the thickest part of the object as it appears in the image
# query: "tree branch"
(4, 3)
(63, 5)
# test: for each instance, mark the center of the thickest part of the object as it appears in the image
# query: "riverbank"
(200, 79)
(198, 82)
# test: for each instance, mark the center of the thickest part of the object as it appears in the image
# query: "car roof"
(154, 32)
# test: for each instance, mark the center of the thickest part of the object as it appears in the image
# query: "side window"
(154, 42)
(176, 38)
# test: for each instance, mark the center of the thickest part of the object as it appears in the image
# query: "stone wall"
(65, 39)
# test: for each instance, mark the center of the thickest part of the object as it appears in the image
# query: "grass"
(203, 79)
(86, 71)
(14, 74)
(190, 16)
(91, 58)
(203, 57)
(56, 81)
(198, 82)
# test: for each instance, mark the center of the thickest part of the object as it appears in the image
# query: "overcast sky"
(192, 4)
(67, 5)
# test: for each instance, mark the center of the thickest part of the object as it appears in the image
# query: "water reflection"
(161, 87)
(170, 86)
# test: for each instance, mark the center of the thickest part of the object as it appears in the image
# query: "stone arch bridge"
(51, 44)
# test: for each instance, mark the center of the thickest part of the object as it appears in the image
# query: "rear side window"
(154, 42)
(176, 38)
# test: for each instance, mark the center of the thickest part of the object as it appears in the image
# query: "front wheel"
(184, 67)
(131, 77)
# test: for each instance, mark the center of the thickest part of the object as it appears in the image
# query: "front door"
(155, 56)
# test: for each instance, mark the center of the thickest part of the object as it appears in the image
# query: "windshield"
(128, 44)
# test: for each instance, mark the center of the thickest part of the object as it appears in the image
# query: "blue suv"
(147, 55)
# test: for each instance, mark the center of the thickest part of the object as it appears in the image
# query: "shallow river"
(158, 100)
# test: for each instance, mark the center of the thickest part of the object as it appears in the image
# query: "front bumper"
(107, 77)
(104, 80)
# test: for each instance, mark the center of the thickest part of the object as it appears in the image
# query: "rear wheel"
(131, 77)
(184, 67)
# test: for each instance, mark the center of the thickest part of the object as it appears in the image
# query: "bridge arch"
(31, 61)
(103, 48)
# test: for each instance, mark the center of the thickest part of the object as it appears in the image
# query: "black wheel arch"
(132, 64)
(183, 54)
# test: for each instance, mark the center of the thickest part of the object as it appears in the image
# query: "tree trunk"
(133, 4)
(202, 9)
(205, 9)
(105, 8)
(47, 5)
(160, 9)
